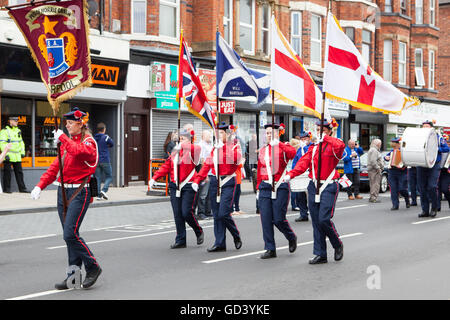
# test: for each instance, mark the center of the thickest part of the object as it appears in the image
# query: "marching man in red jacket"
(79, 160)
(272, 161)
(181, 166)
(322, 205)
(230, 157)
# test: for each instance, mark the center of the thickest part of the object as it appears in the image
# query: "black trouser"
(354, 178)
(7, 175)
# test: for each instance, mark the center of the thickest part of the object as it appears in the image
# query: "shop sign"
(227, 107)
(22, 121)
(105, 75)
(50, 121)
(262, 118)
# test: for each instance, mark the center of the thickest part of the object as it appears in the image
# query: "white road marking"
(431, 220)
(39, 294)
(28, 238)
(279, 248)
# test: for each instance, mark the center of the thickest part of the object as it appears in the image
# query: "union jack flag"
(190, 87)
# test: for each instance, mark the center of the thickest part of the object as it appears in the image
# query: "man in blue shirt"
(427, 178)
(352, 164)
(104, 142)
(300, 197)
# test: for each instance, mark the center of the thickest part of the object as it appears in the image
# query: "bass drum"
(419, 147)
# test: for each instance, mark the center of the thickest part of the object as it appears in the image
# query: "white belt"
(70, 185)
(222, 183)
(325, 182)
(178, 192)
(277, 184)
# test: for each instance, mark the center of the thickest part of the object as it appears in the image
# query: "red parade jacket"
(190, 157)
(332, 150)
(283, 153)
(79, 162)
(230, 156)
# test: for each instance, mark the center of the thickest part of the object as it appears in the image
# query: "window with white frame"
(296, 31)
(403, 6)
(418, 67)
(350, 32)
(139, 12)
(316, 39)
(388, 6)
(168, 18)
(247, 25)
(265, 29)
(228, 21)
(366, 42)
(402, 63)
(431, 65)
(432, 12)
(419, 11)
(387, 60)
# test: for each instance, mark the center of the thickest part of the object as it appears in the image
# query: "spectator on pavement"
(104, 169)
(375, 166)
(204, 204)
(352, 165)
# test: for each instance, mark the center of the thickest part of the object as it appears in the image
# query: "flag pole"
(218, 122)
(322, 116)
(63, 189)
(273, 137)
(180, 96)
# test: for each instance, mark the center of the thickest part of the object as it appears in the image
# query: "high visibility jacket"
(12, 135)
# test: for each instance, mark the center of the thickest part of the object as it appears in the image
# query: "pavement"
(15, 203)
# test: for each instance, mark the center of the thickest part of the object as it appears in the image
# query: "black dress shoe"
(301, 219)
(91, 277)
(339, 253)
(394, 208)
(216, 249)
(408, 205)
(24, 191)
(178, 245)
(62, 285)
(7, 191)
(318, 260)
(269, 254)
(237, 243)
(414, 204)
(433, 213)
(292, 245)
(423, 215)
(201, 238)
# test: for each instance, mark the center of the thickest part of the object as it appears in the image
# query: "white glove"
(287, 178)
(36, 193)
(57, 134)
(151, 183)
(274, 142)
(194, 186)
(177, 147)
(257, 195)
(218, 145)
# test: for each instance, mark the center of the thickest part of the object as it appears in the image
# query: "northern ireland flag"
(290, 81)
(349, 78)
(190, 88)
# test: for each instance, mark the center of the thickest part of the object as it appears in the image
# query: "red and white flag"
(290, 81)
(349, 78)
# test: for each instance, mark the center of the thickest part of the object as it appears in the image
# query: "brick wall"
(443, 57)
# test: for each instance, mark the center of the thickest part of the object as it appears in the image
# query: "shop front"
(365, 126)
(23, 94)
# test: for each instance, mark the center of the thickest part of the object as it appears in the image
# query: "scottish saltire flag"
(190, 88)
(234, 79)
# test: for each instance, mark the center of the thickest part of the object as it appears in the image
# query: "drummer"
(273, 193)
(427, 178)
(397, 176)
(301, 197)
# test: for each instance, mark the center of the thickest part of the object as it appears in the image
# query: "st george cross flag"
(190, 88)
(234, 79)
(290, 81)
(57, 35)
(349, 78)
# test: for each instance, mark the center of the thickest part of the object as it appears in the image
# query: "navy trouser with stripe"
(78, 251)
(321, 215)
(222, 210)
(183, 211)
(273, 213)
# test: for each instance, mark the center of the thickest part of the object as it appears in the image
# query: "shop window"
(369, 132)
(45, 146)
(23, 109)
